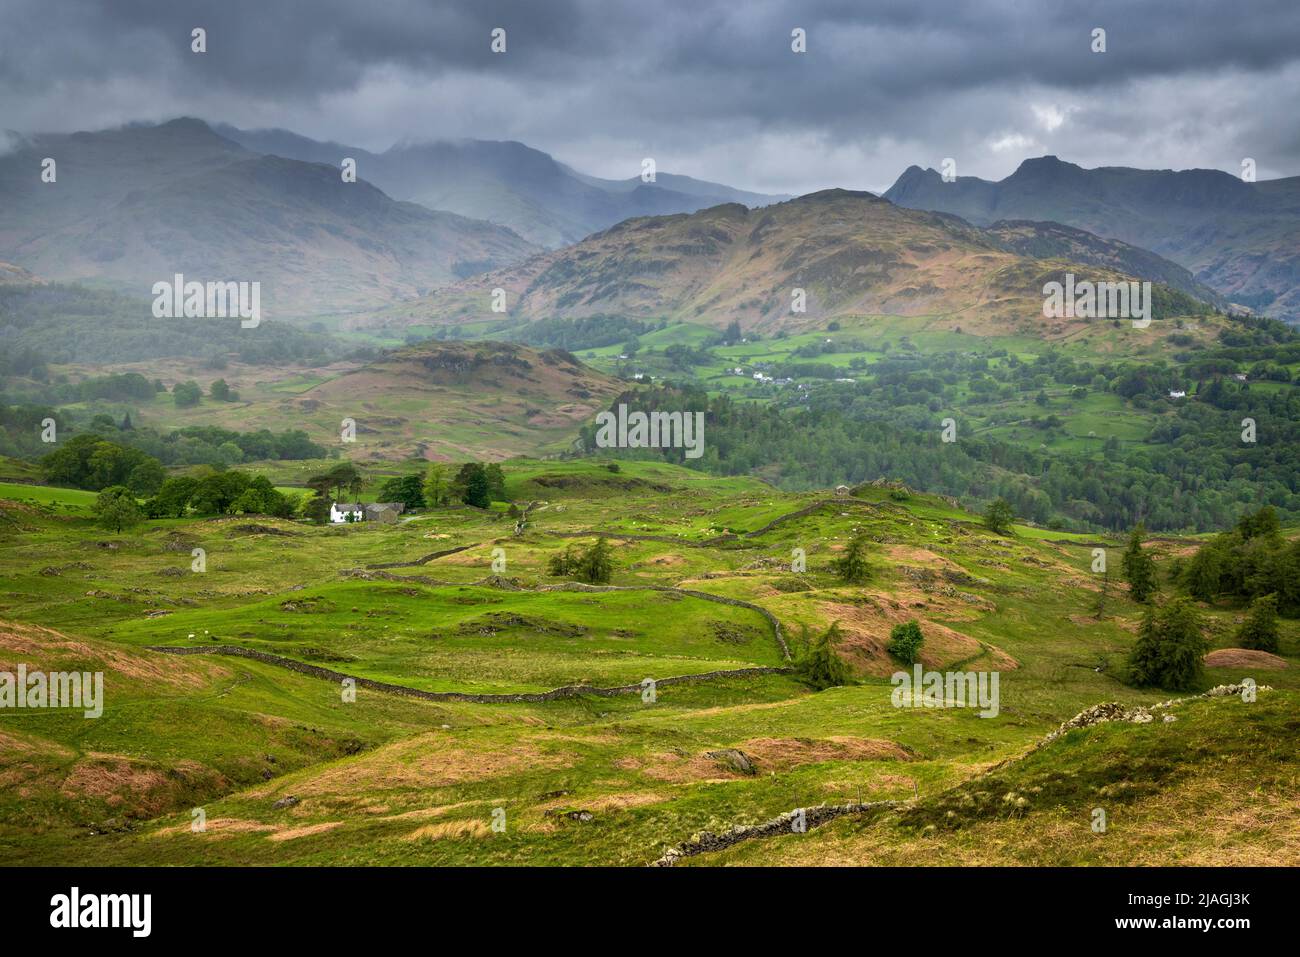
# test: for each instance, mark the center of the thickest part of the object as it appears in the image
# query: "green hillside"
(286, 770)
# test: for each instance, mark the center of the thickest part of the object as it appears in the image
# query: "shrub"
(999, 516)
(563, 564)
(1259, 630)
(905, 642)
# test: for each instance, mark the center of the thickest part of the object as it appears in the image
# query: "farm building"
(341, 512)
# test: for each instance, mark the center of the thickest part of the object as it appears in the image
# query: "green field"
(389, 779)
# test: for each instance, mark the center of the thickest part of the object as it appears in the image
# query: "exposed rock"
(735, 759)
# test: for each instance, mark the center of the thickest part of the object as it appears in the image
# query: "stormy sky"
(710, 88)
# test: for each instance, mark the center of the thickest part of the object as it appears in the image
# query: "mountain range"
(429, 229)
(540, 198)
(1240, 238)
(851, 253)
(135, 205)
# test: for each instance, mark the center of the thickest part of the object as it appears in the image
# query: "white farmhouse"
(340, 512)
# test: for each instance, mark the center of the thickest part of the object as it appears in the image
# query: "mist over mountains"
(134, 205)
(543, 200)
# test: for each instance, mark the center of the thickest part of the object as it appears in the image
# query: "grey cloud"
(709, 85)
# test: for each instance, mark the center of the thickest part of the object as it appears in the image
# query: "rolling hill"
(438, 400)
(222, 690)
(137, 204)
(545, 201)
(1242, 239)
(852, 253)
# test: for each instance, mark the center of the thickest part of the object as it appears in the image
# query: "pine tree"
(596, 566)
(1103, 596)
(852, 567)
(1139, 567)
(1204, 573)
(1144, 659)
(821, 667)
(1170, 649)
(477, 490)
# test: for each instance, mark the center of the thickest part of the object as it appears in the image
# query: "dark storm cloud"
(708, 87)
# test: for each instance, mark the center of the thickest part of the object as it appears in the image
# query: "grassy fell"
(614, 780)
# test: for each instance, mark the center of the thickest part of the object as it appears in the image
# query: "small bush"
(905, 642)
(1259, 630)
(999, 516)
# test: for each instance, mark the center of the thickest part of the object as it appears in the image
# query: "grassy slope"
(394, 780)
(1214, 787)
(455, 410)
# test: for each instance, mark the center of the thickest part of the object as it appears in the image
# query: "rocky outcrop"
(791, 822)
(1143, 714)
(734, 759)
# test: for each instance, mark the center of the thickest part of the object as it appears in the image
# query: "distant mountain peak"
(510, 183)
(825, 195)
(1046, 161)
(1242, 239)
(185, 123)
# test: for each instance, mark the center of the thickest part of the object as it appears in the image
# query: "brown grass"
(305, 831)
(779, 754)
(606, 802)
(1243, 658)
(866, 635)
(471, 827)
(217, 827)
(34, 645)
(426, 761)
(135, 787)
